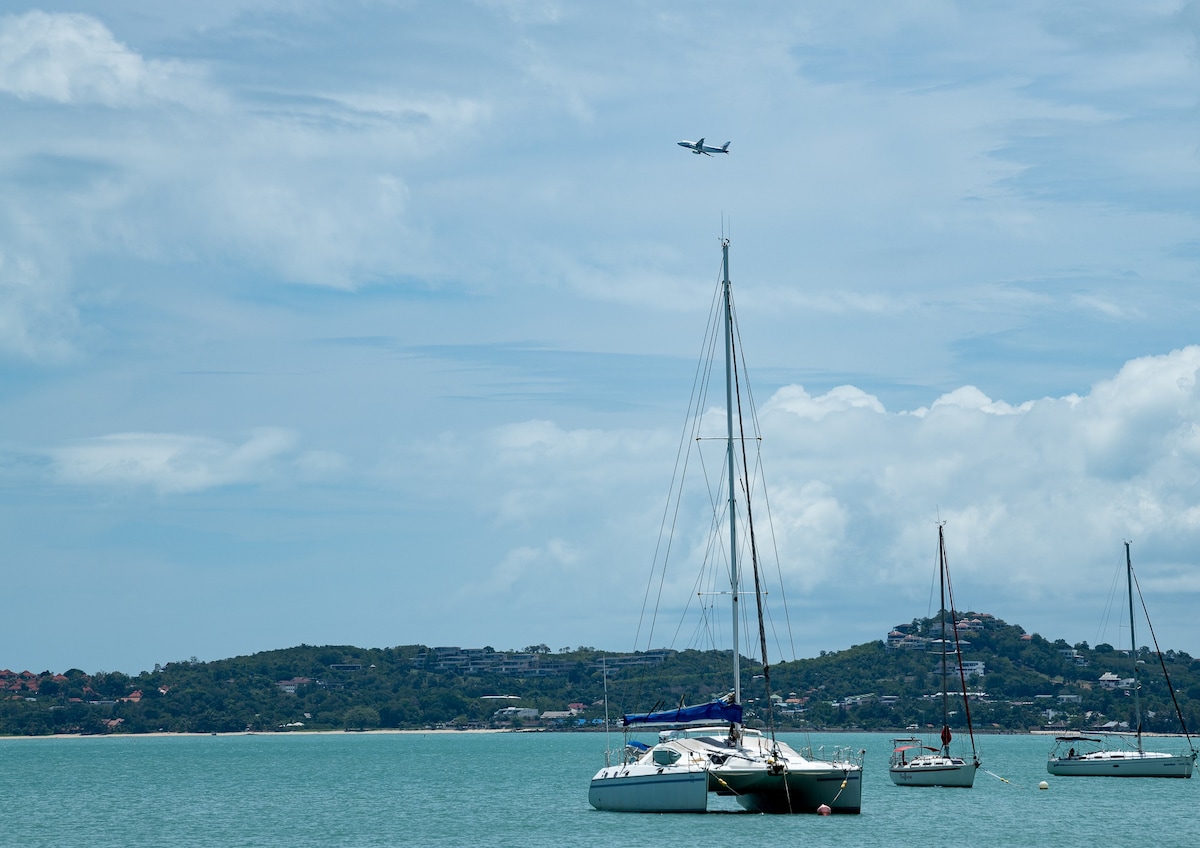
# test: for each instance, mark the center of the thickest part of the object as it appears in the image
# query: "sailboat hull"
(640, 788)
(1094, 759)
(690, 762)
(935, 771)
(1123, 764)
(793, 791)
(766, 776)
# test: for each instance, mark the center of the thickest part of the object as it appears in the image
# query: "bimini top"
(714, 711)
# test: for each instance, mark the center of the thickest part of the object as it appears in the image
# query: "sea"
(370, 790)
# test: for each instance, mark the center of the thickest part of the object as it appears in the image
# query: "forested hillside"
(1028, 682)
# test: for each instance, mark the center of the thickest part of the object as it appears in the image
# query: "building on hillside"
(969, 667)
(290, 686)
(510, 713)
(1108, 680)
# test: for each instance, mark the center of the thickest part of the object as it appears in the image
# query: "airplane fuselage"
(699, 147)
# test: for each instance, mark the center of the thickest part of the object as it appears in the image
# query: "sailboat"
(1090, 757)
(706, 749)
(914, 764)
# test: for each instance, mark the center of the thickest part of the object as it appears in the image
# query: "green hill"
(1028, 682)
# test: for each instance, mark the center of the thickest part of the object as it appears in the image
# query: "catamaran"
(706, 749)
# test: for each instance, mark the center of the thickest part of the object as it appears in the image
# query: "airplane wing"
(699, 147)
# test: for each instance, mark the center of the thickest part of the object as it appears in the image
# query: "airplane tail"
(725, 147)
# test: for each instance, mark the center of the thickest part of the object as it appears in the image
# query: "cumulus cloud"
(794, 400)
(969, 397)
(172, 463)
(1051, 482)
(1034, 495)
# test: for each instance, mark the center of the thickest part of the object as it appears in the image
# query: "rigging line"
(696, 402)
(1107, 613)
(778, 572)
(714, 550)
(717, 506)
(1161, 661)
(929, 603)
(1001, 779)
(945, 565)
(762, 635)
(698, 392)
(704, 624)
(757, 429)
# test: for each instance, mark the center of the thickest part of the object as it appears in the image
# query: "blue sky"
(373, 323)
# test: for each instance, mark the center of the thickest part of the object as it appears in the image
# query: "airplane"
(699, 147)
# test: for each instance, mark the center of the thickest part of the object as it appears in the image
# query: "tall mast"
(733, 565)
(942, 584)
(1137, 708)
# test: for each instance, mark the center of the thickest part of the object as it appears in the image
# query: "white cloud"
(73, 58)
(994, 205)
(37, 319)
(796, 401)
(172, 463)
(525, 569)
(969, 397)
(1034, 495)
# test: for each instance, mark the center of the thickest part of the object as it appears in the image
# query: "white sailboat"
(915, 764)
(706, 749)
(1090, 757)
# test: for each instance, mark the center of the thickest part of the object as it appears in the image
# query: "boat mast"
(1137, 707)
(733, 566)
(942, 584)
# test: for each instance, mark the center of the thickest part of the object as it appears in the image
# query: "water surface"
(525, 789)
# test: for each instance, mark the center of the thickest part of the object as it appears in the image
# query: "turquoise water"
(524, 789)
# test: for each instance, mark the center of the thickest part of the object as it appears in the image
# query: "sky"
(374, 323)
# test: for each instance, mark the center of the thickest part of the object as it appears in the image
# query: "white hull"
(935, 771)
(761, 776)
(914, 764)
(678, 773)
(1122, 764)
(1089, 757)
(637, 788)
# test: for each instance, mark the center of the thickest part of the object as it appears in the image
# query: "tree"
(361, 718)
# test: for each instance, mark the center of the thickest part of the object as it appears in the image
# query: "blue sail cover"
(714, 711)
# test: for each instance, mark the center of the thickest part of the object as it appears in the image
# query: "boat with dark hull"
(706, 749)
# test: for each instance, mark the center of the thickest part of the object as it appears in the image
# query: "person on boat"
(1071, 754)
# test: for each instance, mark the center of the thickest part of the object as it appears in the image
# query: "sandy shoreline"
(445, 731)
(165, 734)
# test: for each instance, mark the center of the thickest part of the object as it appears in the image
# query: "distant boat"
(705, 748)
(915, 764)
(1084, 756)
